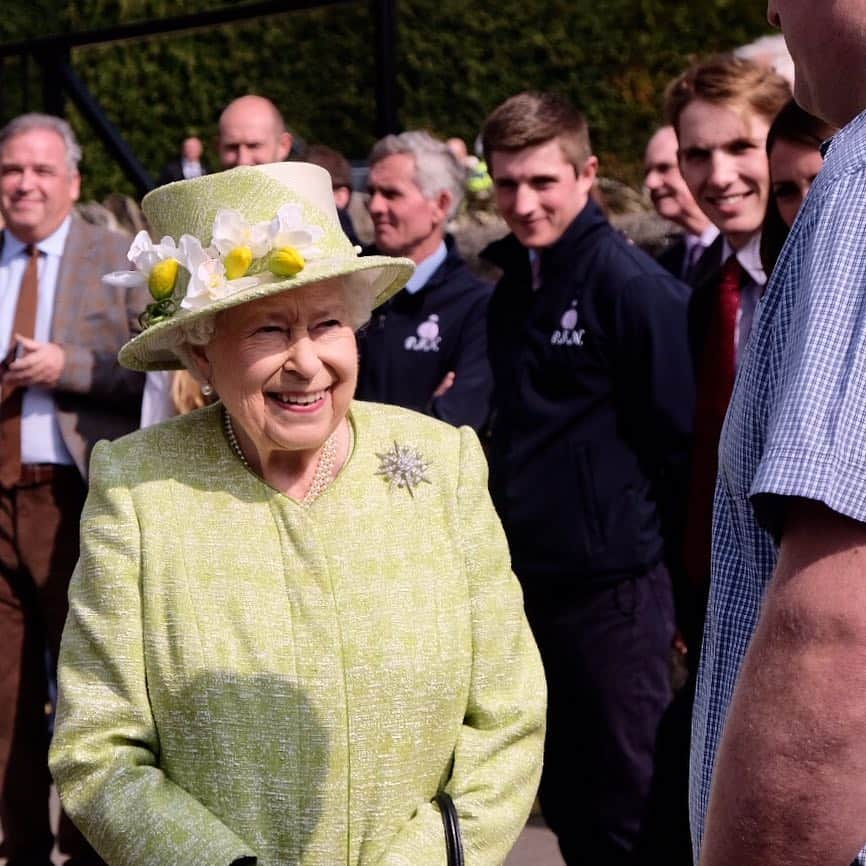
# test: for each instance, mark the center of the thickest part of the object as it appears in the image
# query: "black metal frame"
(53, 54)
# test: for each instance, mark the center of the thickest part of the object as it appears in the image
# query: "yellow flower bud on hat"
(163, 276)
(238, 262)
(286, 262)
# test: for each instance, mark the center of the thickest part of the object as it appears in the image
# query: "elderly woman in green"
(293, 623)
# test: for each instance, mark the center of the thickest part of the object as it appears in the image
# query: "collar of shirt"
(191, 168)
(696, 246)
(749, 257)
(838, 150)
(424, 270)
(708, 235)
(50, 246)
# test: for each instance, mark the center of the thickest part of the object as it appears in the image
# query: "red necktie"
(10, 400)
(715, 384)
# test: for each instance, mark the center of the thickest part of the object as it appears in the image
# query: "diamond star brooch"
(403, 466)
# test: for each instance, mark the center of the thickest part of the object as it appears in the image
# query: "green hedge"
(611, 57)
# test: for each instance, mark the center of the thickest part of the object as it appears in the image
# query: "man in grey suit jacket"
(61, 390)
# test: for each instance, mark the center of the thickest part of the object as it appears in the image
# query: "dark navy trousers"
(606, 654)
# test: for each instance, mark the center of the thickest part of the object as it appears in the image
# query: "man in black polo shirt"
(426, 348)
(592, 407)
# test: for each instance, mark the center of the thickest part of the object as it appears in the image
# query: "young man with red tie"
(721, 109)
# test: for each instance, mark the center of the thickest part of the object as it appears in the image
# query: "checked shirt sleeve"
(816, 430)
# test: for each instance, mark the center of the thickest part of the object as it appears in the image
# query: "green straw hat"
(237, 236)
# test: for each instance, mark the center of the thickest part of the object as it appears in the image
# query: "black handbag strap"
(451, 824)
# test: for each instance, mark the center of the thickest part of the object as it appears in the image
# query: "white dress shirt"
(696, 246)
(156, 402)
(41, 441)
(191, 168)
(751, 290)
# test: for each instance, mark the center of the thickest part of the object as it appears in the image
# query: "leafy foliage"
(455, 62)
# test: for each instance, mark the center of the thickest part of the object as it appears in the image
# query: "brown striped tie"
(10, 401)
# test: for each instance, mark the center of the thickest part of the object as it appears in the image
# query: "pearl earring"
(207, 389)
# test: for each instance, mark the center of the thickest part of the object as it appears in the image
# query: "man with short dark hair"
(779, 745)
(672, 200)
(592, 409)
(61, 389)
(426, 348)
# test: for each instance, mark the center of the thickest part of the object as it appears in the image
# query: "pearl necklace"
(324, 465)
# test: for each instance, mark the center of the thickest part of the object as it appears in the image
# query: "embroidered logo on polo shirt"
(568, 334)
(427, 337)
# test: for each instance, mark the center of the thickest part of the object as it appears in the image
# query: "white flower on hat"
(287, 229)
(156, 266)
(238, 242)
(293, 241)
(208, 276)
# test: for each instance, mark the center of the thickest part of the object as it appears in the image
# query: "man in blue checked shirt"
(779, 738)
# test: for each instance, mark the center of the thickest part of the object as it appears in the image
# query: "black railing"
(53, 55)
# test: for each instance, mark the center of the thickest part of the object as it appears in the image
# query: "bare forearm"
(789, 785)
(790, 782)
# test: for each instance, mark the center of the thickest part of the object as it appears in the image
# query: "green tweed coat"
(243, 676)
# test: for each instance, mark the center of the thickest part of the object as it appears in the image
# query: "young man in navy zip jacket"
(592, 407)
(426, 348)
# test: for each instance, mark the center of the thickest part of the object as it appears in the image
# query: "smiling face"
(285, 368)
(724, 164)
(538, 192)
(793, 169)
(667, 189)
(37, 186)
(405, 223)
